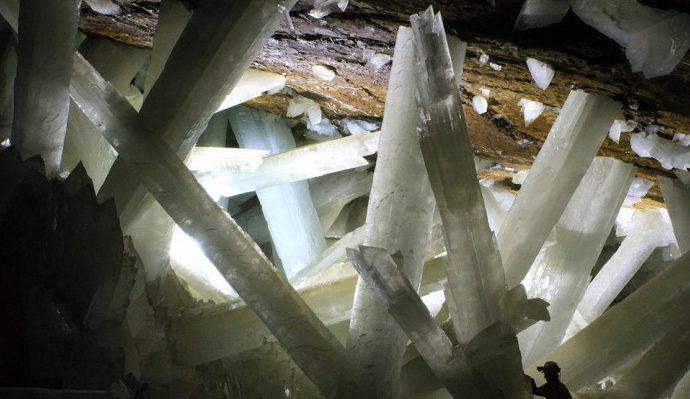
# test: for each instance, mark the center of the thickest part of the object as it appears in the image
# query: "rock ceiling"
(582, 58)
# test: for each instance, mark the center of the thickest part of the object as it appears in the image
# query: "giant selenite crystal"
(211, 55)
(564, 158)
(288, 164)
(626, 330)
(297, 328)
(655, 40)
(659, 369)
(288, 208)
(562, 274)
(398, 219)
(650, 230)
(44, 63)
(539, 13)
(476, 283)
(400, 299)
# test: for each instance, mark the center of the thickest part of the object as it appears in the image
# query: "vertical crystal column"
(562, 275)
(476, 282)
(288, 208)
(296, 327)
(474, 267)
(398, 219)
(562, 161)
(649, 232)
(626, 330)
(44, 64)
(677, 198)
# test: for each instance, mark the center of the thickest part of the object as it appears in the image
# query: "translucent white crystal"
(670, 154)
(638, 189)
(106, 7)
(483, 59)
(561, 275)
(520, 176)
(480, 104)
(485, 92)
(322, 8)
(530, 110)
(324, 72)
(683, 176)
(619, 127)
(208, 159)
(541, 72)
(41, 86)
(377, 60)
(539, 13)
(241, 261)
(626, 330)
(325, 130)
(288, 208)
(682, 139)
(655, 40)
(495, 66)
(579, 129)
(650, 230)
(400, 201)
(299, 105)
(358, 126)
(252, 84)
(677, 198)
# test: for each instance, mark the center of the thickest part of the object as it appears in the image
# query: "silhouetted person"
(554, 388)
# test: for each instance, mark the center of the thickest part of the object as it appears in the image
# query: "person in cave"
(554, 388)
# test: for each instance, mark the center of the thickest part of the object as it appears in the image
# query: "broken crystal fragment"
(324, 72)
(520, 176)
(485, 92)
(670, 154)
(299, 105)
(564, 158)
(252, 84)
(358, 126)
(619, 127)
(655, 40)
(483, 59)
(322, 8)
(377, 60)
(106, 7)
(539, 13)
(638, 189)
(530, 110)
(542, 73)
(495, 66)
(480, 104)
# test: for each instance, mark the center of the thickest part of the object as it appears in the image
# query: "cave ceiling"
(582, 58)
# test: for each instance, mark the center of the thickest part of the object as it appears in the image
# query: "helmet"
(549, 367)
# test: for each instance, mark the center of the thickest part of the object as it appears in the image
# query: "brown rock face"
(581, 57)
